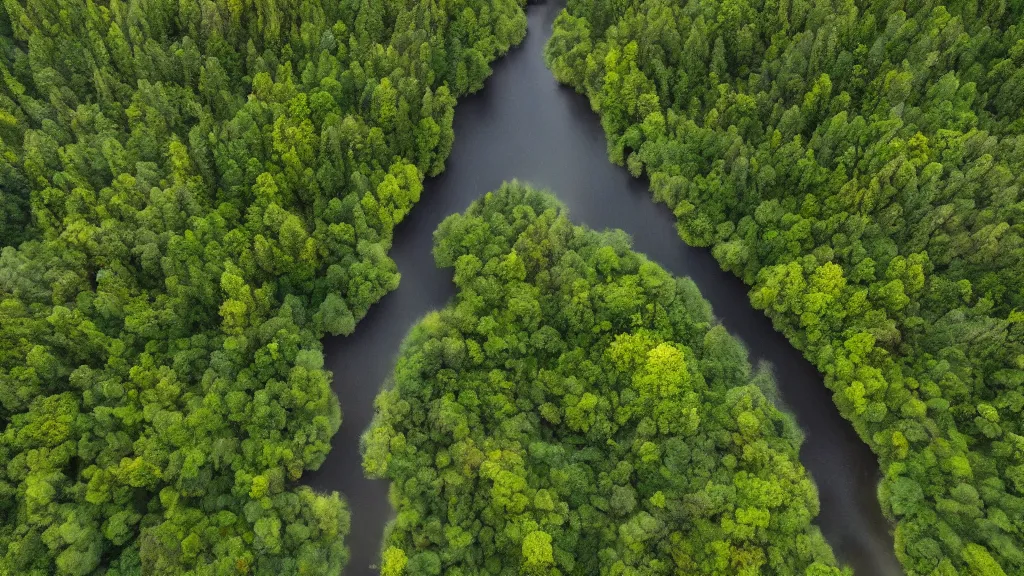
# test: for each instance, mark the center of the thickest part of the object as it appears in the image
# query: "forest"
(577, 410)
(192, 194)
(858, 164)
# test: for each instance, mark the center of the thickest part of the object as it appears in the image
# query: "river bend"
(524, 125)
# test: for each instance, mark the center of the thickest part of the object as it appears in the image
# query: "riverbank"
(524, 125)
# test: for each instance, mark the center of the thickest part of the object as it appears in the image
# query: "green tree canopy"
(577, 410)
(859, 164)
(192, 193)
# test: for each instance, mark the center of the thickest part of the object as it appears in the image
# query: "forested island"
(191, 195)
(859, 165)
(576, 410)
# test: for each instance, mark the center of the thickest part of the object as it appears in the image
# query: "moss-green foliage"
(212, 186)
(576, 410)
(859, 164)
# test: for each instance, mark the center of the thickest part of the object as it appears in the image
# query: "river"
(524, 125)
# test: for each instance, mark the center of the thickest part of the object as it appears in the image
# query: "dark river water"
(524, 125)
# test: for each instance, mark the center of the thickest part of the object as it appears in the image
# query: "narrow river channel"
(524, 125)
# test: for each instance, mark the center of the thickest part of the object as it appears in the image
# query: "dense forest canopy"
(192, 193)
(859, 164)
(577, 410)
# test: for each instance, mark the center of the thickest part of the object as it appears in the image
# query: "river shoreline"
(524, 125)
